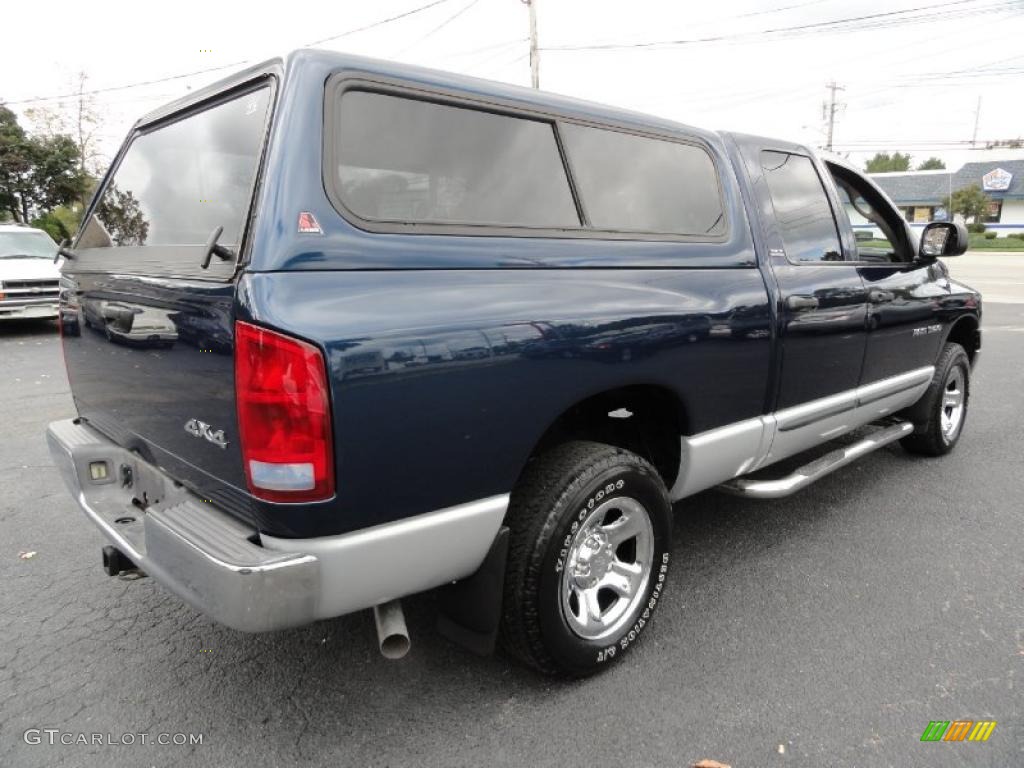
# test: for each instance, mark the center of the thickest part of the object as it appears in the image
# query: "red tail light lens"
(284, 416)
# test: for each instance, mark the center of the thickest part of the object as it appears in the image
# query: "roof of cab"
(334, 61)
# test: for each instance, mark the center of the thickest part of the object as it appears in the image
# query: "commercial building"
(919, 194)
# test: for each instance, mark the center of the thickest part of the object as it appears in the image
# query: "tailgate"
(147, 329)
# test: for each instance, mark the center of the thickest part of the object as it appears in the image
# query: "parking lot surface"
(826, 629)
(999, 276)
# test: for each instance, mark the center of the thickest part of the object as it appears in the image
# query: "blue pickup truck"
(339, 331)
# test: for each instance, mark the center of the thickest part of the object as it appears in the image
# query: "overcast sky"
(913, 70)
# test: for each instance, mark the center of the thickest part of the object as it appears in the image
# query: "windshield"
(26, 245)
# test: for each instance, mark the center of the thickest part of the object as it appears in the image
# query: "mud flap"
(469, 610)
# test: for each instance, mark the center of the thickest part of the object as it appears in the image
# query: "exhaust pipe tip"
(115, 561)
(392, 635)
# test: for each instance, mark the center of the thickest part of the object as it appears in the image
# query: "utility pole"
(977, 118)
(81, 115)
(830, 109)
(534, 52)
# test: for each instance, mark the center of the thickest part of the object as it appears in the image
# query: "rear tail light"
(284, 416)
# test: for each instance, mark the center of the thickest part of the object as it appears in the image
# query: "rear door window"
(641, 184)
(801, 207)
(176, 184)
(411, 161)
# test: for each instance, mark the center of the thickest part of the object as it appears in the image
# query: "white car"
(29, 278)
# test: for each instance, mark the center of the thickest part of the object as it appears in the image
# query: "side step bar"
(817, 469)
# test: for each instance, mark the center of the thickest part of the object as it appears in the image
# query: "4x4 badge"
(201, 429)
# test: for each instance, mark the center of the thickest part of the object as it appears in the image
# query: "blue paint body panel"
(450, 356)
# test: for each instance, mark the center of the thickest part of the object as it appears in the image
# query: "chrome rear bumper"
(256, 583)
(195, 550)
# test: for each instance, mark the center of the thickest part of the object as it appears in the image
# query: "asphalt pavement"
(827, 629)
(999, 276)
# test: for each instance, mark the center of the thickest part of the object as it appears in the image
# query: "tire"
(940, 414)
(590, 537)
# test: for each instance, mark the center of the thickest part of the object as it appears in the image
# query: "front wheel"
(940, 414)
(590, 537)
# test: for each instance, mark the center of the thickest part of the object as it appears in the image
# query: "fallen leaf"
(26, 555)
(706, 763)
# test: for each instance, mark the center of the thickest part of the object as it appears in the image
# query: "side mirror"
(943, 238)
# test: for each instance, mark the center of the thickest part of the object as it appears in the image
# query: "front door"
(904, 327)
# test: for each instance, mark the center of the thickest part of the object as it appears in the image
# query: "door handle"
(801, 302)
(876, 296)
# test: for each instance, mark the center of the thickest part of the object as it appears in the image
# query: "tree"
(61, 223)
(123, 217)
(37, 174)
(970, 202)
(883, 162)
(78, 118)
(932, 164)
(14, 161)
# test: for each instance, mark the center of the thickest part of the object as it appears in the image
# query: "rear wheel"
(940, 414)
(590, 534)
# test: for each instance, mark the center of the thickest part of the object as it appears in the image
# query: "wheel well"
(965, 333)
(645, 419)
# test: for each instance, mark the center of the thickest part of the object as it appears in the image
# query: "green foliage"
(37, 174)
(52, 226)
(991, 235)
(976, 227)
(883, 162)
(983, 243)
(932, 164)
(61, 223)
(14, 161)
(971, 203)
(1018, 235)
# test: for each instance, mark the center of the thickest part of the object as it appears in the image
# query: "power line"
(75, 95)
(887, 18)
(438, 28)
(490, 47)
(169, 78)
(388, 20)
(782, 9)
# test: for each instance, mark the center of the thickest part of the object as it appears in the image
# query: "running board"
(817, 469)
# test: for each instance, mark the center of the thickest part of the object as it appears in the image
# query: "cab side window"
(802, 208)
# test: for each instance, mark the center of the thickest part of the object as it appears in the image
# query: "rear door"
(822, 300)
(148, 330)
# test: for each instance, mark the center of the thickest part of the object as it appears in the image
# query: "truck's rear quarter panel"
(443, 381)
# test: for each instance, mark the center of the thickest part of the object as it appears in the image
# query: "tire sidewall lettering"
(631, 635)
(576, 652)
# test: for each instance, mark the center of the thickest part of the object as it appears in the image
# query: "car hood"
(28, 269)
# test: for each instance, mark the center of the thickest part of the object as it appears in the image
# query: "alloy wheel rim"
(954, 401)
(608, 568)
